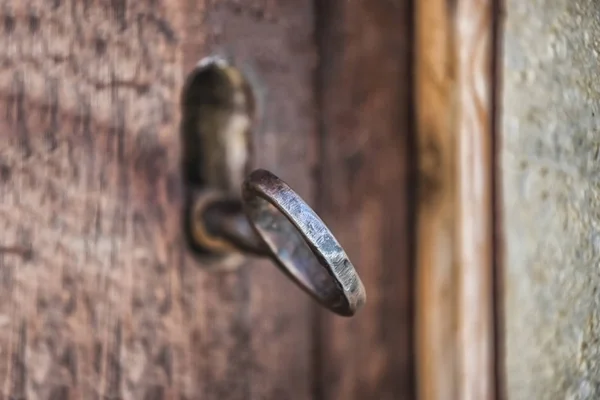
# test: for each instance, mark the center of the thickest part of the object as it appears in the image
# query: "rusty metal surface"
(301, 244)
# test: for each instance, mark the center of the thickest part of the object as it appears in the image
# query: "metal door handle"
(301, 244)
(272, 220)
(261, 215)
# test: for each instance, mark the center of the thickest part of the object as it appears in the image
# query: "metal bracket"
(231, 211)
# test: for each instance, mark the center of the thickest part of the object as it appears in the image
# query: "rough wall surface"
(551, 189)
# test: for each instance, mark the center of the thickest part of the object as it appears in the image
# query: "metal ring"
(301, 244)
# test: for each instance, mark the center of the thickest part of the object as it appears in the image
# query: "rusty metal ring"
(300, 243)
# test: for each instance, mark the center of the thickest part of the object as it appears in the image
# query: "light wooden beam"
(455, 254)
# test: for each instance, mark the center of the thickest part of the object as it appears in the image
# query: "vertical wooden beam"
(455, 248)
(264, 341)
(436, 243)
(255, 341)
(475, 186)
(366, 192)
(111, 304)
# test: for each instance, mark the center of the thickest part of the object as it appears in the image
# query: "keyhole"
(218, 114)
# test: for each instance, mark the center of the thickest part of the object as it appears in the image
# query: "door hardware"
(231, 211)
(301, 244)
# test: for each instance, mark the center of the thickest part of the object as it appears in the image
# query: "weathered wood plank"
(269, 352)
(455, 117)
(435, 278)
(89, 100)
(366, 192)
(111, 304)
(475, 33)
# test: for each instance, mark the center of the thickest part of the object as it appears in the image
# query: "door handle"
(231, 211)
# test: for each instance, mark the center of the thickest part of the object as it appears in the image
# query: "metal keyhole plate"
(301, 244)
(230, 213)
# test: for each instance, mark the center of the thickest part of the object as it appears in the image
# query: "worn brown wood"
(259, 328)
(365, 192)
(89, 111)
(455, 117)
(112, 305)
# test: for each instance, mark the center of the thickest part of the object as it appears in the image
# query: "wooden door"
(108, 301)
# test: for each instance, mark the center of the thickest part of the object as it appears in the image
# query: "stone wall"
(551, 192)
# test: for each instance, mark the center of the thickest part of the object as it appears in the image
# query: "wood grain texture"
(87, 132)
(365, 193)
(475, 187)
(268, 353)
(436, 251)
(455, 249)
(112, 305)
